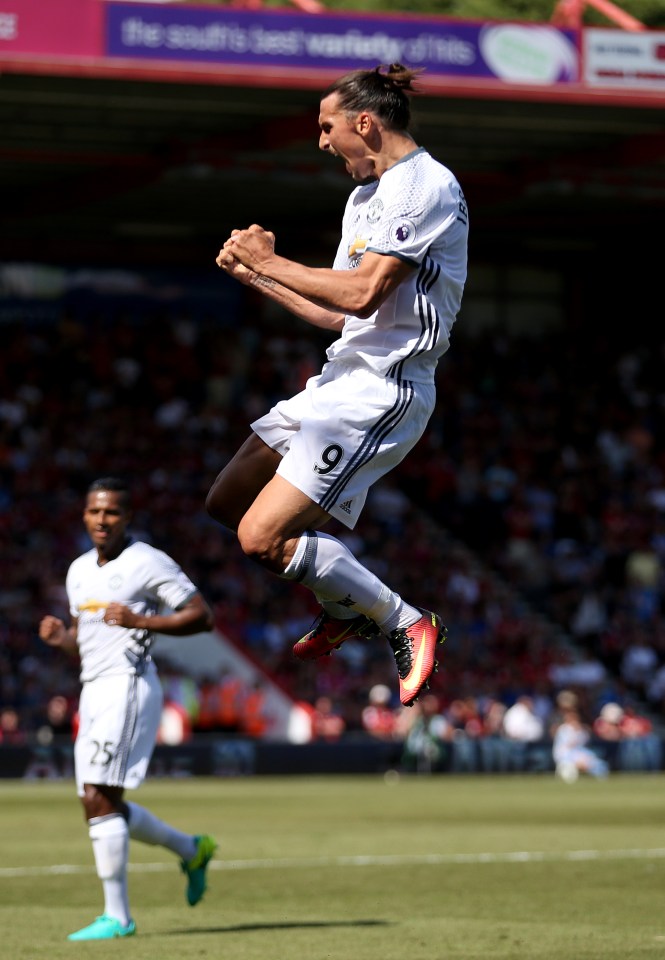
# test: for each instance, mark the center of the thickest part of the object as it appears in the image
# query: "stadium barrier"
(238, 756)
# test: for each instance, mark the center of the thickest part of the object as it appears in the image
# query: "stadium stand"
(532, 515)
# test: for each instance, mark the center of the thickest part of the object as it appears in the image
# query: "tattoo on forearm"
(264, 282)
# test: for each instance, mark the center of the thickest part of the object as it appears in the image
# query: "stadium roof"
(109, 168)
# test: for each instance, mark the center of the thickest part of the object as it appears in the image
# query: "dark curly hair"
(113, 485)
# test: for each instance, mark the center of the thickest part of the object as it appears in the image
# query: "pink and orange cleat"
(328, 633)
(414, 648)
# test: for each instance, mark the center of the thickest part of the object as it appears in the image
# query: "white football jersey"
(416, 211)
(142, 578)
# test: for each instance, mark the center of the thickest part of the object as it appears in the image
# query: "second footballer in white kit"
(393, 294)
(120, 593)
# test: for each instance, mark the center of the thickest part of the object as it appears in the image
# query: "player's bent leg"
(194, 852)
(241, 481)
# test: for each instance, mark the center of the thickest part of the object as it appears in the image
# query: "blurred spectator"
(327, 723)
(615, 722)
(607, 724)
(254, 720)
(464, 717)
(58, 720)
(10, 728)
(231, 698)
(570, 752)
(644, 578)
(179, 690)
(542, 697)
(175, 726)
(634, 724)
(567, 700)
(655, 689)
(493, 719)
(520, 721)
(427, 734)
(208, 706)
(639, 661)
(219, 704)
(587, 671)
(378, 717)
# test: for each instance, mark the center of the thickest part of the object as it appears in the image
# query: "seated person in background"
(570, 752)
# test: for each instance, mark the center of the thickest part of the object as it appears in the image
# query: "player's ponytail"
(398, 76)
(382, 91)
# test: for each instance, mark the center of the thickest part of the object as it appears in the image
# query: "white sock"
(327, 567)
(146, 827)
(337, 610)
(110, 845)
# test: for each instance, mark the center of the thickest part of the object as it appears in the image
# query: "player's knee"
(259, 546)
(100, 802)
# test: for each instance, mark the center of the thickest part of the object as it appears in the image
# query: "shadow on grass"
(300, 925)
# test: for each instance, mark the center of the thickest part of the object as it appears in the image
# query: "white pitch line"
(427, 859)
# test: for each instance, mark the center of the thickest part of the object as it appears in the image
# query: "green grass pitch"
(355, 868)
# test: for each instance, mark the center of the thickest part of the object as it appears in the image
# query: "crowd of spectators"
(531, 515)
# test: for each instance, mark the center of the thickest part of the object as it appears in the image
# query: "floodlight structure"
(569, 13)
(307, 6)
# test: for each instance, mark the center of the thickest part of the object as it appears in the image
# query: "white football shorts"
(119, 717)
(343, 432)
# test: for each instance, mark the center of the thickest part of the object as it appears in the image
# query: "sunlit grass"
(348, 868)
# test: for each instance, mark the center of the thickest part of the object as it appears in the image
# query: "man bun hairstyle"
(382, 91)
